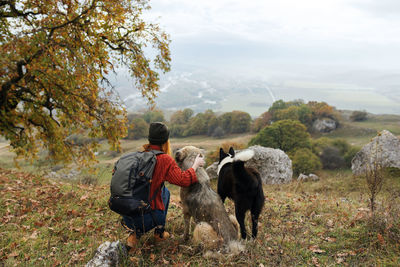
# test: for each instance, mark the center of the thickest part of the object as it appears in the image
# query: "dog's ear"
(231, 151)
(221, 153)
(179, 155)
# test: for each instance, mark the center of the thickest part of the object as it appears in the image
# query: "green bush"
(344, 151)
(218, 132)
(181, 116)
(138, 128)
(176, 130)
(349, 155)
(153, 116)
(240, 122)
(304, 161)
(261, 122)
(287, 135)
(332, 159)
(358, 116)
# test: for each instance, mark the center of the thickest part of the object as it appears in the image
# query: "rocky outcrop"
(325, 125)
(108, 254)
(384, 148)
(274, 165)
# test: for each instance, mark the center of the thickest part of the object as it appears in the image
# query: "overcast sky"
(297, 44)
(348, 32)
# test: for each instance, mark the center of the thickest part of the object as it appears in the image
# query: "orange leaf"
(381, 240)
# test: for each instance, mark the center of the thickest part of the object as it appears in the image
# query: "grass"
(53, 223)
(360, 133)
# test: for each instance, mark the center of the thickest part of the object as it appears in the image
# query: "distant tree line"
(286, 126)
(296, 110)
(184, 123)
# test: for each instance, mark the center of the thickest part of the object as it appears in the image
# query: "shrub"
(181, 116)
(304, 161)
(218, 132)
(176, 130)
(332, 159)
(89, 180)
(287, 135)
(346, 151)
(240, 122)
(319, 144)
(349, 155)
(261, 122)
(374, 176)
(138, 128)
(153, 116)
(358, 116)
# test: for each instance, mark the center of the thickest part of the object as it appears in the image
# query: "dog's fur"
(202, 203)
(241, 184)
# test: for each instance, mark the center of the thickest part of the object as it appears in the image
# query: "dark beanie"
(158, 133)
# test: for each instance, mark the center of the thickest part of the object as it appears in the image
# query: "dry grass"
(324, 223)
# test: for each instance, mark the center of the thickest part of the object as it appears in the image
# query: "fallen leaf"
(13, 254)
(89, 222)
(316, 249)
(84, 197)
(339, 260)
(315, 261)
(38, 224)
(34, 235)
(330, 239)
(380, 239)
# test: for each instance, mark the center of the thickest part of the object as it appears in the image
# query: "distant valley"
(202, 89)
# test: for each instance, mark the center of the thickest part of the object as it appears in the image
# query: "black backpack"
(130, 183)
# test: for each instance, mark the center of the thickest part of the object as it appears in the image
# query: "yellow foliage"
(54, 58)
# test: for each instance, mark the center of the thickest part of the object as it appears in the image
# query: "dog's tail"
(244, 155)
(238, 163)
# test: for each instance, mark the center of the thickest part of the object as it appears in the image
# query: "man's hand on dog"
(198, 162)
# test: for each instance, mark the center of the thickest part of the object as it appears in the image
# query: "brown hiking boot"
(132, 241)
(161, 237)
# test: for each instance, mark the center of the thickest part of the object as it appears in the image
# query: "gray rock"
(274, 165)
(305, 178)
(302, 178)
(212, 170)
(325, 125)
(108, 254)
(384, 148)
(313, 177)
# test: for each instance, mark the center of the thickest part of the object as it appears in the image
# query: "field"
(60, 222)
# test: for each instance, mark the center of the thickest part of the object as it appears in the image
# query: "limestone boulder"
(384, 148)
(274, 165)
(108, 254)
(324, 125)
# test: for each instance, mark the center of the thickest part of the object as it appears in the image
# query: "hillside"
(360, 133)
(204, 88)
(61, 221)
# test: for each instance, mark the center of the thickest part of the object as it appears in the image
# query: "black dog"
(242, 185)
